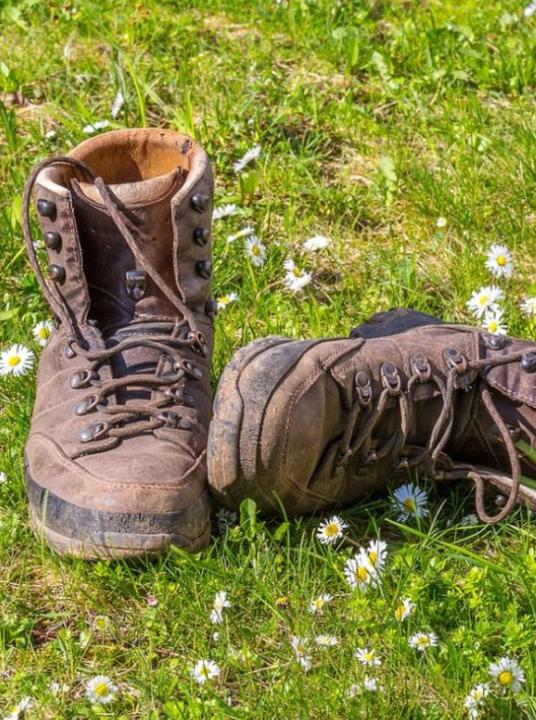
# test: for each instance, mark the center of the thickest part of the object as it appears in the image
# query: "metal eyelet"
(390, 376)
(46, 208)
(420, 367)
(180, 396)
(82, 379)
(200, 202)
(87, 404)
(93, 432)
(174, 420)
(363, 388)
(188, 367)
(57, 273)
(494, 342)
(52, 241)
(69, 351)
(455, 360)
(528, 362)
(199, 340)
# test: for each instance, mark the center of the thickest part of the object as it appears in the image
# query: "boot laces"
(171, 371)
(366, 412)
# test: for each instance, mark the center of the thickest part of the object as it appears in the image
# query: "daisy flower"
(256, 250)
(423, 641)
(528, 307)
(245, 232)
(331, 530)
(95, 127)
(317, 604)
(42, 331)
(499, 261)
(377, 553)
(220, 603)
(441, 222)
(530, 9)
(246, 159)
(508, 674)
(16, 360)
(404, 609)
(370, 684)
(117, 106)
(326, 640)
(475, 699)
(409, 501)
(317, 242)
(224, 211)
(367, 657)
(296, 278)
(493, 322)
(359, 572)
(299, 645)
(205, 670)
(19, 709)
(100, 690)
(485, 299)
(225, 300)
(3, 478)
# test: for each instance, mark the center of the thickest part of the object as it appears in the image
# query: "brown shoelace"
(123, 420)
(365, 414)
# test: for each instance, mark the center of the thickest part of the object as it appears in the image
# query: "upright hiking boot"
(116, 454)
(302, 426)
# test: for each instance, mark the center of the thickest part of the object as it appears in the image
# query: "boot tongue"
(120, 292)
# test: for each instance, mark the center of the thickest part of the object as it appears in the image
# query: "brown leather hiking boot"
(316, 424)
(116, 455)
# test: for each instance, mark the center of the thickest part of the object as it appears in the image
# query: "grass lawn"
(402, 130)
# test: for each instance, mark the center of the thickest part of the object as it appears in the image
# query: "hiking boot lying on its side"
(315, 424)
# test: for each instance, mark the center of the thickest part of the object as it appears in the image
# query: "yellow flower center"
(14, 360)
(331, 530)
(255, 250)
(399, 612)
(483, 300)
(501, 260)
(101, 690)
(423, 641)
(296, 272)
(409, 504)
(505, 678)
(362, 573)
(225, 300)
(318, 603)
(493, 326)
(368, 657)
(43, 333)
(373, 556)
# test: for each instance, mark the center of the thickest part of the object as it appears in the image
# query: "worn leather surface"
(151, 172)
(296, 399)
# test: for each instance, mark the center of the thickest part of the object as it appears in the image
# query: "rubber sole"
(90, 534)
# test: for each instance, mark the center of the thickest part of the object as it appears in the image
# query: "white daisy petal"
(410, 501)
(422, 641)
(507, 674)
(493, 322)
(225, 300)
(224, 211)
(331, 530)
(317, 242)
(248, 158)
(205, 670)
(256, 251)
(16, 360)
(42, 331)
(484, 300)
(100, 690)
(296, 278)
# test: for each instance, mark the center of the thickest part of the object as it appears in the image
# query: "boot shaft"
(162, 185)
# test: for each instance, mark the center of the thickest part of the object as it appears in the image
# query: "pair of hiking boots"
(119, 450)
